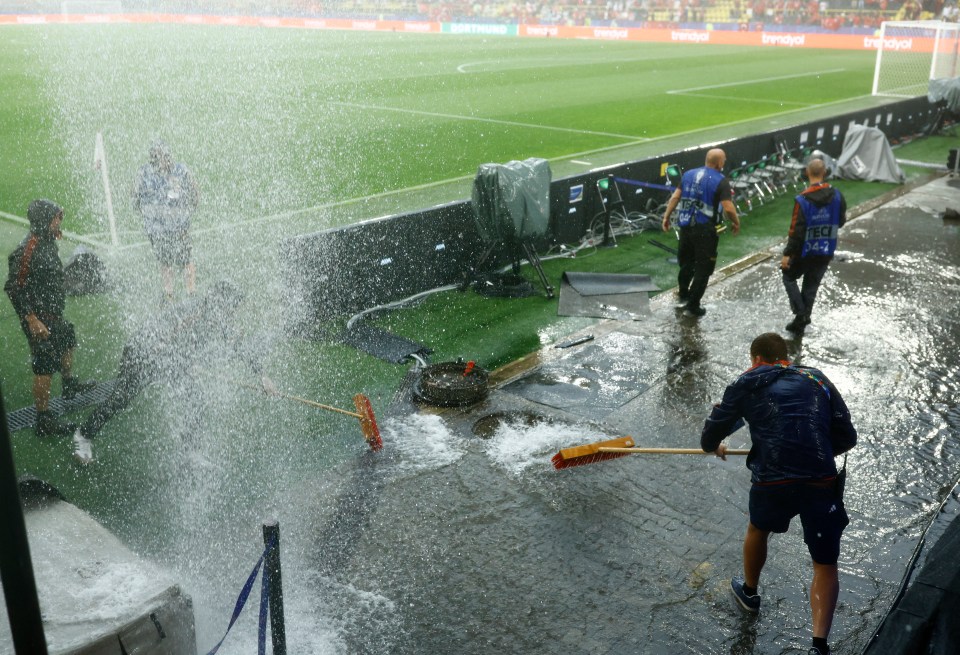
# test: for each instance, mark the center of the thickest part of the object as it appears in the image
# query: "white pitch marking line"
(494, 121)
(768, 100)
(462, 68)
(70, 236)
(756, 81)
(581, 162)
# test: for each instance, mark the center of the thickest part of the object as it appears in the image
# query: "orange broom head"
(368, 422)
(590, 453)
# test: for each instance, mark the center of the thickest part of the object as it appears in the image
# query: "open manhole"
(452, 384)
(487, 426)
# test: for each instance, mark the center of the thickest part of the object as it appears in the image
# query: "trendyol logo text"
(602, 33)
(789, 40)
(541, 30)
(873, 43)
(690, 37)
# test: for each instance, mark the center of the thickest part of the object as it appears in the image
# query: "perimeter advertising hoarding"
(826, 40)
(726, 37)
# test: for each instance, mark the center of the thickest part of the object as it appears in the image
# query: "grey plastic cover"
(512, 201)
(867, 155)
(945, 89)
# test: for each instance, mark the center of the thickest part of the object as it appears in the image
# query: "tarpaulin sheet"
(867, 156)
(946, 90)
(512, 201)
(382, 344)
(605, 295)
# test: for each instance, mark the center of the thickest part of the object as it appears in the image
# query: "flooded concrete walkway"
(466, 540)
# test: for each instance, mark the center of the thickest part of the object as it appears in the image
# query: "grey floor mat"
(605, 295)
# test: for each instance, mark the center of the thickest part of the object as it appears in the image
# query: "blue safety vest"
(823, 223)
(698, 187)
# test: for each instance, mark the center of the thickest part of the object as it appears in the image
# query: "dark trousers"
(802, 295)
(697, 257)
(135, 374)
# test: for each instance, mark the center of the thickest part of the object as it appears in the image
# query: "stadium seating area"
(831, 14)
(744, 14)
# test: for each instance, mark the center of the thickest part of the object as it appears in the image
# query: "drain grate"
(26, 417)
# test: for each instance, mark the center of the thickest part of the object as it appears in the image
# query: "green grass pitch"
(279, 122)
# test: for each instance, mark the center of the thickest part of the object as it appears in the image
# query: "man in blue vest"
(703, 193)
(818, 214)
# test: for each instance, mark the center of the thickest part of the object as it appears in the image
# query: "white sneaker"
(82, 448)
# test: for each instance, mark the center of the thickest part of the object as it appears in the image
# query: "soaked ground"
(464, 540)
(460, 537)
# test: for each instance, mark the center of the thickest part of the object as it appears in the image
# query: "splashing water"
(520, 448)
(424, 442)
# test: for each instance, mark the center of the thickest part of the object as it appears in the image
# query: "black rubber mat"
(605, 284)
(382, 344)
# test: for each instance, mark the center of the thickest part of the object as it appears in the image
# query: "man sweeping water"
(798, 423)
(169, 347)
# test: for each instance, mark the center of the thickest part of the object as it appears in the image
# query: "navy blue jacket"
(798, 422)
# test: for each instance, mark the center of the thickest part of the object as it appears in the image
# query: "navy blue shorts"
(46, 355)
(822, 515)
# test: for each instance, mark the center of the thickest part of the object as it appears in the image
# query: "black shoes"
(749, 602)
(49, 425)
(73, 387)
(798, 324)
(694, 310)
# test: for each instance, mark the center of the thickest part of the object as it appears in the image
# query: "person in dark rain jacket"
(35, 285)
(798, 423)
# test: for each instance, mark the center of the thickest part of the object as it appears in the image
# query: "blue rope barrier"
(648, 185)
(264, 610)
(242, 600)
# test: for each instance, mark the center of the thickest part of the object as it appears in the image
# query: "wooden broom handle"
(305, 401)
(314, 403)
(667, 451)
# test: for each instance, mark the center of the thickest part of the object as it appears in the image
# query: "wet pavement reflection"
(475, 544)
